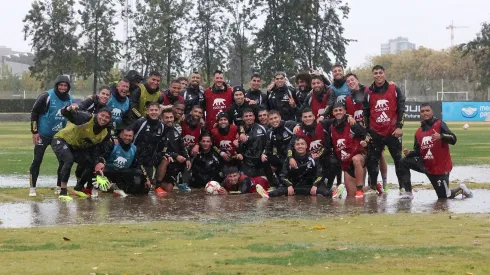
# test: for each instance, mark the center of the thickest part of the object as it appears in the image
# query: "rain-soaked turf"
(472, 148)
(440, 243)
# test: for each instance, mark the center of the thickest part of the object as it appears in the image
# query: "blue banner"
(465, 111)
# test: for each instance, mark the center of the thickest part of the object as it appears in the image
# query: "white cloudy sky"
(370, 22)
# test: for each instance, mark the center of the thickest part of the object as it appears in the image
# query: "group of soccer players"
(133, 137)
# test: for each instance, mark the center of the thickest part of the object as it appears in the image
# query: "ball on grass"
(466, 126)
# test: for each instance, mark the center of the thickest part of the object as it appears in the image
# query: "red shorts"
(258, 180)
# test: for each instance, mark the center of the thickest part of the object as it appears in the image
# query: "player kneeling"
(305, 179)
(119, 167)
(348, 142)
(238, 183)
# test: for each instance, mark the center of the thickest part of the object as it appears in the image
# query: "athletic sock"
(384, 177)
(63, 192)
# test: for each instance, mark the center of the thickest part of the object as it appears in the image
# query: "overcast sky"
(371, 23)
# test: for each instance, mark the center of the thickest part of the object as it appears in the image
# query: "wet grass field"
(349, 244)
(472, 148)
(214, 235)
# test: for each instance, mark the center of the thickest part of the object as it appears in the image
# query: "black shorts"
(174, 173)
(351, 170)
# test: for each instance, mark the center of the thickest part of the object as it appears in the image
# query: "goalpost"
(443, 93)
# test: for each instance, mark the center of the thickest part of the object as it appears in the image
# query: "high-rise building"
(397, 45)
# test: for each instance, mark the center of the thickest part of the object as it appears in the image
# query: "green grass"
(16, 147)
(349, 244)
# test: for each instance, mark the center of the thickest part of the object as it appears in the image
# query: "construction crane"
(452, 27)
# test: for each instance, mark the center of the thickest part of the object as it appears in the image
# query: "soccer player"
(192, 130)
(235, 182)
(176, 158)
(225, 140)
(193, 94)
(94, 103)
(235, 111)
(254, 95)
(431, 156)
(282, 98)
(80, 141)
(217, 98)
(120, 167)
(46, 121)
(149, 139)
(206, 165)
(384, 108)
(251, 150)
(146, 93)
(173, 94)
(279, 136)
(317, 99)
(305, 178)
(354, 108)
(348, 143)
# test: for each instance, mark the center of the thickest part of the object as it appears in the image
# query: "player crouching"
(306, 178)
(348, 142)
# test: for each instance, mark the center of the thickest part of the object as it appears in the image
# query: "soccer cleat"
(340, 191)
(87, 191)
(65, 198)
(407, 196)
(261, 191)
(184, 188)
(32, 192)
(466, 191)
(359, 194)
(160, 192)
(120, 193)
(57, 190)
(95, 193)
(79, 194)
(386, 189)
(379, 188)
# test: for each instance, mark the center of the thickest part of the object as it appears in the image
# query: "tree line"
(176, 37)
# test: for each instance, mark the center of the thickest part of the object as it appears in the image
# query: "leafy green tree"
(479, 50)
(209, 36)
(51, 27)
(101, 48)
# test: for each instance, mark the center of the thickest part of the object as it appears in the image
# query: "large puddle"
(197, 206)
(478, 174)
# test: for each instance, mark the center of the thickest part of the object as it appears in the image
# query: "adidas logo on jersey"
(383, 118)
(429, 155)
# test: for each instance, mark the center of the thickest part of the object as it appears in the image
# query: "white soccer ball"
(212, 187)
(466, 126)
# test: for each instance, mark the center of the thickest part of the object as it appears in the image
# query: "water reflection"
(198, 206)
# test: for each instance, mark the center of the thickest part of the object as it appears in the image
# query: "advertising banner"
(412, 110)
(465, 111)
